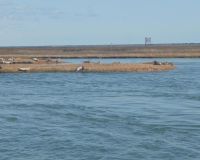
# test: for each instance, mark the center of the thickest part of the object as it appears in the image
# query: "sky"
(89, 22)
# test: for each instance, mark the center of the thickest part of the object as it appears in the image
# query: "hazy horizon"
(92, 22)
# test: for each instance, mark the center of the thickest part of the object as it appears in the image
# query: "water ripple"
(100, 115)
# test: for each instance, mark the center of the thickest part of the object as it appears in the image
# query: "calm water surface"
(107, 116)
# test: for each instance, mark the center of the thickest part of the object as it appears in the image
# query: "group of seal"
(162, 63)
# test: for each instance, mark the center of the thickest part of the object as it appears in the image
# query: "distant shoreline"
(105, 51)
(103, 45)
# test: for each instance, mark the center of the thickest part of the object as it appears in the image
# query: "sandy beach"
(93, 67)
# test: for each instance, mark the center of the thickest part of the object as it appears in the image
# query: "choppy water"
(125, 116)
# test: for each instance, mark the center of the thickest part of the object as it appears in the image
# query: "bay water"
(107, 116)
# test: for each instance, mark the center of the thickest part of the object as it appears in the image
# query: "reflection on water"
(102, 115)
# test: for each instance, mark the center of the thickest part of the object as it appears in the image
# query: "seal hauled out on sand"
(156, 63)
(162, 63)
(24, 69)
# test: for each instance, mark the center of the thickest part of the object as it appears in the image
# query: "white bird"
(80, 68)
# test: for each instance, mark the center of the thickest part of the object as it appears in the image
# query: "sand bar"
(91, 67)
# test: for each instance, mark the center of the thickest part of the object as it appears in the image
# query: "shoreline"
(104, 51)
(91, 67)
(90, 56)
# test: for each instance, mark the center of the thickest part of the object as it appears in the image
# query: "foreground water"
(125, 116)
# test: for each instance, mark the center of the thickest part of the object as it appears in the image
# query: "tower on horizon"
(147, 41)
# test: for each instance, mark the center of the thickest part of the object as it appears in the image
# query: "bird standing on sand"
(80, 68)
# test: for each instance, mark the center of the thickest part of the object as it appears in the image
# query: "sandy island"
(18, 65)
(45, 59)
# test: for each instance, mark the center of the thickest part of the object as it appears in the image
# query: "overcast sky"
(66, 22)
